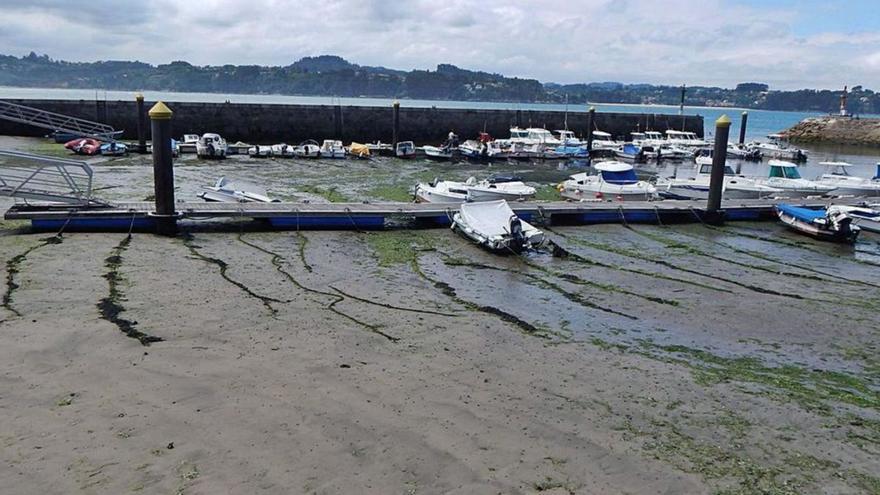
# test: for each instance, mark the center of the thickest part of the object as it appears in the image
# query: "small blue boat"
(572, 151)
(113, 149)
(828, 224)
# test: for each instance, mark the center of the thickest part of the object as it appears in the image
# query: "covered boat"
(697, 187)
(630, 153)
(614, 180)
(830, 224)
(494, 226)
(225, 191)
(837, 175)
(307, 149)
(211, 145)
(359, 150)
(260, 151)
(491, 189)
(282, 150)
(785, 176)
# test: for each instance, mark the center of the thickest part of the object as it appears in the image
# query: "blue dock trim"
(334, 222)
(95, 224)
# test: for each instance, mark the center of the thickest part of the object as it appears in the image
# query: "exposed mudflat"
(652, 359)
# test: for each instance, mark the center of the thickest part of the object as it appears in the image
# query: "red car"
(84, 146)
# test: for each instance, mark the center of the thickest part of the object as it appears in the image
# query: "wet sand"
(680, 359)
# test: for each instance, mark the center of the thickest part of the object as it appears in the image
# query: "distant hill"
(330, 75)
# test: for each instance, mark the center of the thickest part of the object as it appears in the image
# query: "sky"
(789, 44)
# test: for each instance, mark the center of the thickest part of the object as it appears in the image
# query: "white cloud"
(675, 41)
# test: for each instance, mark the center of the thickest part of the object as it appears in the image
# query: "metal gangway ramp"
(45, 179)
(56, 121)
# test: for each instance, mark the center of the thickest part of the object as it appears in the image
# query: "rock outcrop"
(836, 130)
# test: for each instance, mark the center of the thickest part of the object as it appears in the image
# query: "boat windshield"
(785, 172)
(707, 169)
(622, 177)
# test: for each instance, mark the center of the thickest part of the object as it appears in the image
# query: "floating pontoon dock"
(347, 216)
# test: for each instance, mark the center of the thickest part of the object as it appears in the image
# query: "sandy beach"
(651, 360)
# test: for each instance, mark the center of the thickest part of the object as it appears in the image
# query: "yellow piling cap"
(160, 111)
(396, 103)
(592, 109)
(723, 121)
(745, 113)
(138, 96)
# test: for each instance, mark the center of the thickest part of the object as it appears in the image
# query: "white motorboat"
(225, 191)
(260, 151)
(631, 153)
(614, 180)
(439, 153)
(405, 149)
(332, 148)
(837, 175)
(491, 189)
(785, 176)
(778, 147)
(743, 152)
(567, 138)
(474, 150)
(494, 188)
(867, 217)
(684, 138)
(495, 227)
(307, 149)
(211, 145)
(380, 149)
(603, 141)
(697, 187)
(828, 224)
(441, 191)
(282, 150)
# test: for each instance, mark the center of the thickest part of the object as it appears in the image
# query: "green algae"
(331, 194)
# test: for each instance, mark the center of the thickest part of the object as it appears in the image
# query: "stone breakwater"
(836, 130)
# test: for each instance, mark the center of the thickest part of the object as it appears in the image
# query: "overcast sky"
(787, 43)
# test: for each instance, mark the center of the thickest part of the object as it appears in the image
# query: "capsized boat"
(211, 145)
(697, 187)
(405, 149)
(84, 146)
(837, 175)
(829, 224)
(614, 180)
(332, 148)
(307, 149)
(114, 148)
(784, 175)
(226, 191)
(495, 227)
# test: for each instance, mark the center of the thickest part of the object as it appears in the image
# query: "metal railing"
(47, 179)
(56, 122)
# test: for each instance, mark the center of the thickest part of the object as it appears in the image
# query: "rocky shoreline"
(836, 130)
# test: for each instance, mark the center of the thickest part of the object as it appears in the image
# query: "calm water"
(761, 122)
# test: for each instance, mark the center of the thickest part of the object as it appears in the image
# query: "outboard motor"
(517, 238)
(877, 176)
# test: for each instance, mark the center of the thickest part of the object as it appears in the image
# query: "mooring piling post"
(163, 170)
(519, 118)
(591, 119)
(337, 121)
(395, 129)
(742, 127)
(141, 123)
(714, 214)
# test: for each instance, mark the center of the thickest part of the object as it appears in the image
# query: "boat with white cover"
(211, 145)
(226, 191)
(282, 150)
(307, 149)
(614, 180)
(697, 187)
(495, 227)
(828, 224)
(332, 148)
(260, 151)
(785, 176)
(837, 175)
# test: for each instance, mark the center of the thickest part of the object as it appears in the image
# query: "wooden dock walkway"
(343, 216)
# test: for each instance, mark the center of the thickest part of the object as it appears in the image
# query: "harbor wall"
(271, 123)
